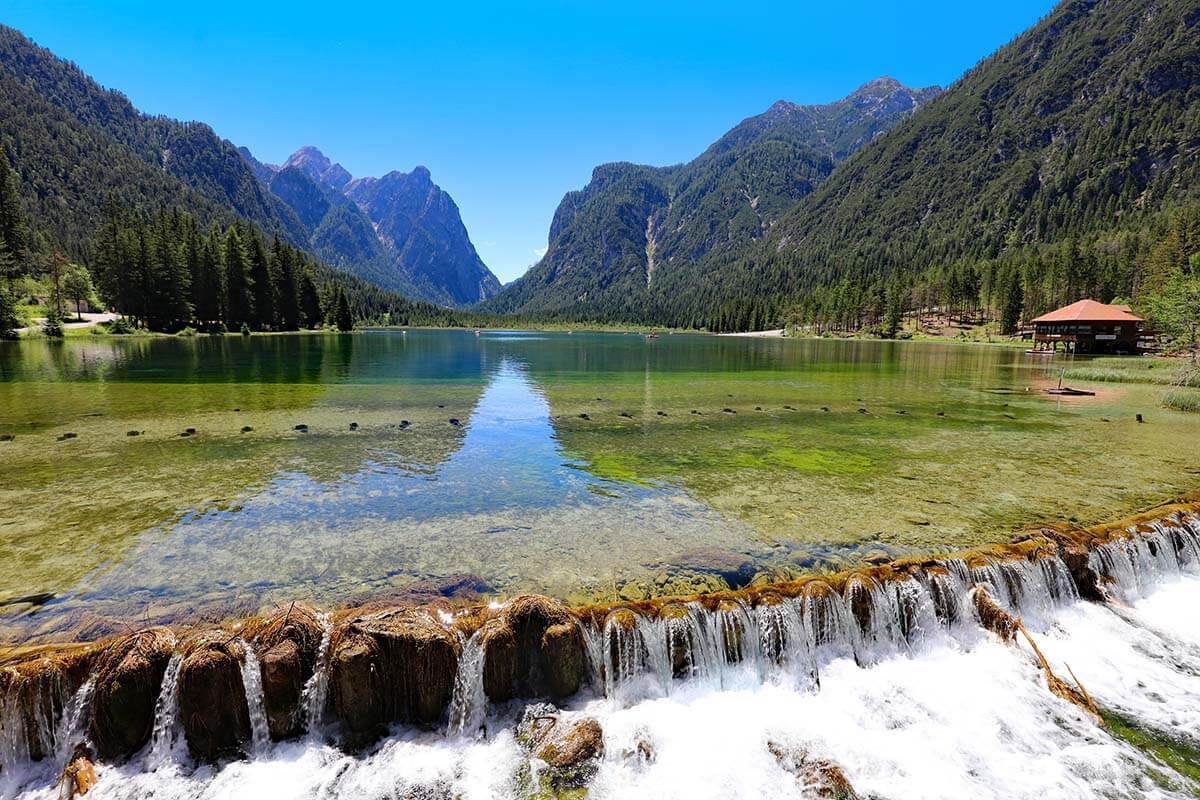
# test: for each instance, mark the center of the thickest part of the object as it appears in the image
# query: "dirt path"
(89, 320)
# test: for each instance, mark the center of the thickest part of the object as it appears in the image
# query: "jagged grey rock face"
(421, 227)
(639, 237)
(401, 231)
(313, 163)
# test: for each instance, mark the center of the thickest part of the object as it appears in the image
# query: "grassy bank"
(1181, 375)
(1162, 371)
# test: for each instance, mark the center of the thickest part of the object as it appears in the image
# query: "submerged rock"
(533, 648)
(736, 569)
(397, 665)
(287, 644)
(212, 698)
(128, 674)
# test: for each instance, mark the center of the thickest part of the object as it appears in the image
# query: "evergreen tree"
(208, 282)
(288, 293)
(13, 233)
(895, 310)
(9, 321)
(342, 318)
(1013, 299)
(310, 302)
(239, 302)
(262, 283)
(169, 308)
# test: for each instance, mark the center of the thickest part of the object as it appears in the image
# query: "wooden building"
(1088, 327)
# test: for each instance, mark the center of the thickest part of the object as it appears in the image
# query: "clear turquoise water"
(578, 466)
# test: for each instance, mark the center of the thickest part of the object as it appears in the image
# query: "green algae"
(800, 455)
(1172, 753)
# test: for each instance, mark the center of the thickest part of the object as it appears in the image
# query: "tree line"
(165, 273)
(1154, 268)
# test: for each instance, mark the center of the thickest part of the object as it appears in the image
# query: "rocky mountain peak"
(316, 165)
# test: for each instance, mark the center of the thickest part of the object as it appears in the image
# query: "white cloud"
(541, 251)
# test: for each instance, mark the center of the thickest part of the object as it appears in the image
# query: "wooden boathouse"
(1088, 327)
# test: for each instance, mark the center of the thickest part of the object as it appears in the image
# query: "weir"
(232, 691)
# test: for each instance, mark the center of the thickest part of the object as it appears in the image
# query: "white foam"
(957, 716)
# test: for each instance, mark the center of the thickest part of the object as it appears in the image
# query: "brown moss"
(129, 673)
(287, 644)
(391, 666)
(532, 648)
(398, 664)
(212, 697)
(992, 616)
(37, 689)
(570, 746)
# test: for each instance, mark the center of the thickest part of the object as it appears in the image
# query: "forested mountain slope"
(1088, 122)
(614, 243)
(74, 144)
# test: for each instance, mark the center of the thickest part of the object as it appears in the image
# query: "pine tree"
(288, 293)
(9, 322)
(262, 283)
(894, 313)
(13, 234)
(342, 316)
(1013, 299)
(310, 302)
(169, 308)
(239, 303)
(208, 283)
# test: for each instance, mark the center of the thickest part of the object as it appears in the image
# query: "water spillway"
(887, 678)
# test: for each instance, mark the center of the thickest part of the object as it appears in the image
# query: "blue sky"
(510, 105)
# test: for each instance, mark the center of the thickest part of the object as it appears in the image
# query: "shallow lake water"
(587, 466)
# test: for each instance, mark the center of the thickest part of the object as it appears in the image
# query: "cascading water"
(167, 735)
(1133, 563)
(260, 737)
(468, 706)
(881, 676)
(70, 730)
(316, 689)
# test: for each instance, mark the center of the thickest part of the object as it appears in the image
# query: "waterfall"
(70, 728)
(1133, 563)
(852, 667)
(316, 688)
(31, 717)
(167, 729)
(468, 706)
(260, 737)
(636, 656)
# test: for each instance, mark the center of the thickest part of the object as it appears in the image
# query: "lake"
(344, 468)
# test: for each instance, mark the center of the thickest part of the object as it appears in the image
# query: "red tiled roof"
(1090, 311)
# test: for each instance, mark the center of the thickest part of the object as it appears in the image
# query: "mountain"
(400, 231)
(313, 163)
(77, 148)
(1087, 122)
(74, 144)
(635, 232)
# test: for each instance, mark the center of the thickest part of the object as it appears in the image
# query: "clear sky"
(510, 105)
